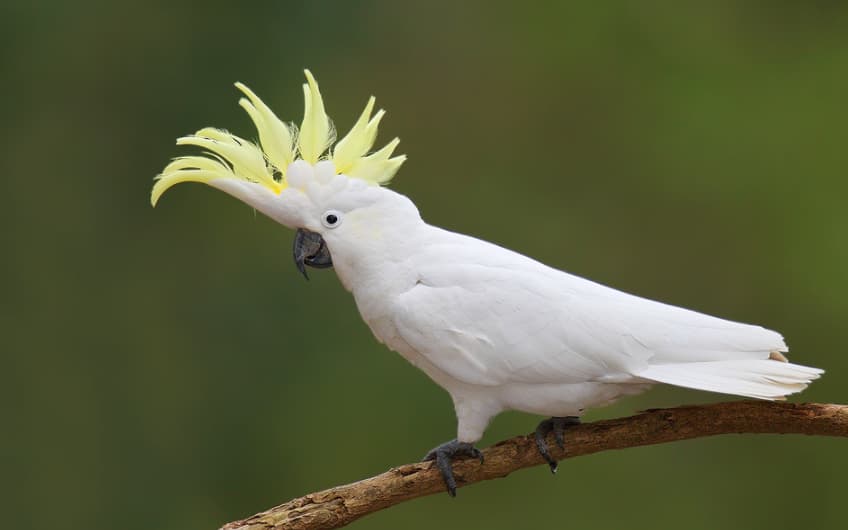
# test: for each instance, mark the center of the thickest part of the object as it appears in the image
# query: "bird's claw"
(444, 455)
(556, 425)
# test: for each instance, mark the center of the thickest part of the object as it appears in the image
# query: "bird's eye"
(331, 218)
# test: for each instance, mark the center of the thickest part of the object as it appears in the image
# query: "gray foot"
(557, 426)
(444, 455)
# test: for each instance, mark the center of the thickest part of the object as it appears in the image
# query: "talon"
(444, 454)
(556, 425)
(559, 436)
(541, 432)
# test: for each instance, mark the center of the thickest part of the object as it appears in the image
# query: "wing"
(488, 316)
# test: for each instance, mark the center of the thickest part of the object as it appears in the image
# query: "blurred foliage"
(169, 369)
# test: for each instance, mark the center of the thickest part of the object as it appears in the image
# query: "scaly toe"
(557, 425)
(444, 455)
(542, 431)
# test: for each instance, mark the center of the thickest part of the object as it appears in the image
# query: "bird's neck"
(377, 250)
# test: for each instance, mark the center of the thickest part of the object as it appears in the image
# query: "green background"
(169, 369)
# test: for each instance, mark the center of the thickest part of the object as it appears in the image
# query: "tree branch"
(342, 505)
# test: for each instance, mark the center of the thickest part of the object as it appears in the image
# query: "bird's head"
(330, 193)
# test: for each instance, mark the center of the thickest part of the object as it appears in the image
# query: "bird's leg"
(444, 455)
(556, 425)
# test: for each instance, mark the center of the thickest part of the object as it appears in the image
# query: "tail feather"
(757, 378)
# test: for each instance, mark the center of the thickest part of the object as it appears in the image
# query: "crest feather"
(231, 157)
(378, 167)
(315, 132)
(359, 140)
(275, 136)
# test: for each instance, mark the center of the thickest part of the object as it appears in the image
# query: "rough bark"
(342, 505)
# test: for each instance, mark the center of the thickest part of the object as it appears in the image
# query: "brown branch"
(342, 505)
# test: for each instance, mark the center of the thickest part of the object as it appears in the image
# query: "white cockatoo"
(496, 329)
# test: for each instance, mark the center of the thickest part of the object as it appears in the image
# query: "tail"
(757, 378)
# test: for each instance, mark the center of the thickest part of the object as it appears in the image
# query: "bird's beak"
(310, 249)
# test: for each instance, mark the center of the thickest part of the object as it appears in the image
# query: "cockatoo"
(496, 329)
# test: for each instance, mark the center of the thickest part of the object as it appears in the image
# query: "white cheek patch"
(359, 229)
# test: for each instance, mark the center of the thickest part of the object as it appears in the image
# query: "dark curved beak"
(310, 249)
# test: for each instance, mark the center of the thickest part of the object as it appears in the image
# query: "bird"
(496, 329)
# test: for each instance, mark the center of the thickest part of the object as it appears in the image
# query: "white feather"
(496, 329)
(761, 378)
(501, 331)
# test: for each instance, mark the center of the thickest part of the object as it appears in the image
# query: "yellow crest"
(229, 156)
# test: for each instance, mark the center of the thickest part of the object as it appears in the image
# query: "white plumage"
(496, 329)
(501, 331)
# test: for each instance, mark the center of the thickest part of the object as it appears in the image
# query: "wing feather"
(500, 317)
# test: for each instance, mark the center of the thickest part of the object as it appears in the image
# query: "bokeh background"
(169, 369)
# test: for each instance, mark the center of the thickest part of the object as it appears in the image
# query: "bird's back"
(486, 315)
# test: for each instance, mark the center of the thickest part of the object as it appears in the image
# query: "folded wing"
(488, 316)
